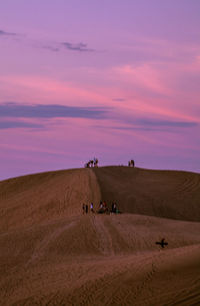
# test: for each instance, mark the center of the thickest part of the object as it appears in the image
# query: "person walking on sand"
(101, 205)
(83, 208)
(91, 207)
(114, 208)
(104, 206)
(86, 208)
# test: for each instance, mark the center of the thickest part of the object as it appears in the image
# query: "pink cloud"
(49, 91)
(143, 76)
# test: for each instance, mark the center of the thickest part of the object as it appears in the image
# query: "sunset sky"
(113, 79)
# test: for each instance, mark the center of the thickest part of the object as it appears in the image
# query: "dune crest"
(34, 199)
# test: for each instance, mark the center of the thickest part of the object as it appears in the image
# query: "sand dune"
(168, 194)
(37, 198)
(51, 254)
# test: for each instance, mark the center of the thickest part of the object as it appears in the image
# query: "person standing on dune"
(83, 208)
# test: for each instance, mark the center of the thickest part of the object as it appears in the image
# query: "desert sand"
(52, 254)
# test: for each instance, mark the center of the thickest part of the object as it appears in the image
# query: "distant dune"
(50, 253)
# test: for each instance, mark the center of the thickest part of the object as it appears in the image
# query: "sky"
(114, 79)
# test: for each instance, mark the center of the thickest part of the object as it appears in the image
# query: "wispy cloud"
(118, 99)
(165, 123)
(58, 47)
(18, 124)
(4, 33)
(80, 47)
(135, 128)
(17, 110)
(51, 48)
(147, 125)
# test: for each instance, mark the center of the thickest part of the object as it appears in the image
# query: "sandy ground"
(51, 254)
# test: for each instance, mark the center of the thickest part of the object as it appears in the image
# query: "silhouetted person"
(96, 162)
(86, 208)
(131, 163)
(101, 210)
(91, 207)
(112, 209)
(83, 208)
(101, 205)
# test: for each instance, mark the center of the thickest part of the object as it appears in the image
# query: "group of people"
(86, 209)
(92, 163)
(103, 208)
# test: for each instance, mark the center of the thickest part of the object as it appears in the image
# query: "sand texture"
(52, 254)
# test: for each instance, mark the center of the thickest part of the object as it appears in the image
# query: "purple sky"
(114, 79)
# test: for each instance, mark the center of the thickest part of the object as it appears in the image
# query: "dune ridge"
(39, 197)
(52, 254)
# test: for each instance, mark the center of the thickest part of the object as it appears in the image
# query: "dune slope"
(101, 260)
(52, 254)
(168, 194)
(36, 198)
